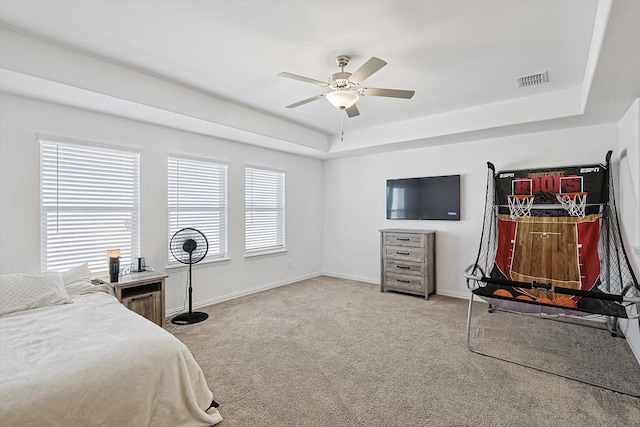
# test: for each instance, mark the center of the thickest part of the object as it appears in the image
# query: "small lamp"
(114, 264)
(342, 99)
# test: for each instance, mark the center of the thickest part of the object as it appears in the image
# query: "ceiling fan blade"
(303, 79)
(352, 111)
(391, 93)
(305, 101)
(367, 69)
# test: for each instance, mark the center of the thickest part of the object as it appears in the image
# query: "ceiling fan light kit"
(342, 99)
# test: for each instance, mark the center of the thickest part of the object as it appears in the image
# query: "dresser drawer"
(404, 267)
(403, 281)
(402, 239)
(404, 253)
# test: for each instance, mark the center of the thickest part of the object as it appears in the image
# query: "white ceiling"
(462, 58)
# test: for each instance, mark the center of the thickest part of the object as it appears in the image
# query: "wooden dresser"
(407, 261)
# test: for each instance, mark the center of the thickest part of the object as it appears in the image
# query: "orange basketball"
(503, 293)
(544, 300)
(524, 298)
(564, 301)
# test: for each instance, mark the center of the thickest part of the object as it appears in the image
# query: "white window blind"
(198, 199)
(90, 202)
(264, 210)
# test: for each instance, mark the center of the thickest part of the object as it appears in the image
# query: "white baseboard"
(234, 295)
(375, 281)
(454, 294)
(631, 330)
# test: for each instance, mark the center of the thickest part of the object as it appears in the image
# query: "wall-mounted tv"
(427, 198)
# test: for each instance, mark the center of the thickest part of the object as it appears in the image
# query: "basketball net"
(573, 203)
(519, 205)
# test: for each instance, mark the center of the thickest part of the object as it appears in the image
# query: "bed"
(86, 360)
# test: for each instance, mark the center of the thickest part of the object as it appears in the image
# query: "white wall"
(23, 119)
(629, 180)
(334, 208)
(354, 193)
(629, 205)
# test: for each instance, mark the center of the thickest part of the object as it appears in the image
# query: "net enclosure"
(551, 244)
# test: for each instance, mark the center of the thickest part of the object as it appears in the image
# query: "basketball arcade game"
(551, 245)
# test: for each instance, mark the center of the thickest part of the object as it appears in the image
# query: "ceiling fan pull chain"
(341, 126)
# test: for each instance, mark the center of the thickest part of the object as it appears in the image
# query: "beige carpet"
(333, 352)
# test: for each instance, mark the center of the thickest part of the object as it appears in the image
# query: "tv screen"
(435, 197)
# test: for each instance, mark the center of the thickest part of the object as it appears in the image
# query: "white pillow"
(76, 275)
(77, 281)
(26, 291)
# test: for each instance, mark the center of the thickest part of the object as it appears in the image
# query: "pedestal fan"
(189, 246)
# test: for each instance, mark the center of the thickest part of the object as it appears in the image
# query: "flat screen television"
(426, 198)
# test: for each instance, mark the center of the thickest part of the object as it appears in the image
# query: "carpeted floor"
(334, 352)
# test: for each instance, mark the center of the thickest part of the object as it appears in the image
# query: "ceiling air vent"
(533, 79)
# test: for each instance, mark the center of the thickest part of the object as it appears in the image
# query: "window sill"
(201, 264)
(265, 253)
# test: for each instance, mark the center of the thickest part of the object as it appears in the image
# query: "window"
(264, 210)
(90, 202)
(198, 199)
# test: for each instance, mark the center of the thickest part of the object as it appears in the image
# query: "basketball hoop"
(573, 203)
(520, 205)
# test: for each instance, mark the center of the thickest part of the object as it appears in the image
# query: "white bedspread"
(95, 363)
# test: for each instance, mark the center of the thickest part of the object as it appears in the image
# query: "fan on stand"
(189, 246)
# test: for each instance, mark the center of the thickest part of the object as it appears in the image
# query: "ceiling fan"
(346, 89)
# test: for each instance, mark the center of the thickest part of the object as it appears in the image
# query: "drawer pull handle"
(403, 253)
(404, 239)
(141, 298)
(404, 267)
(403, 281)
